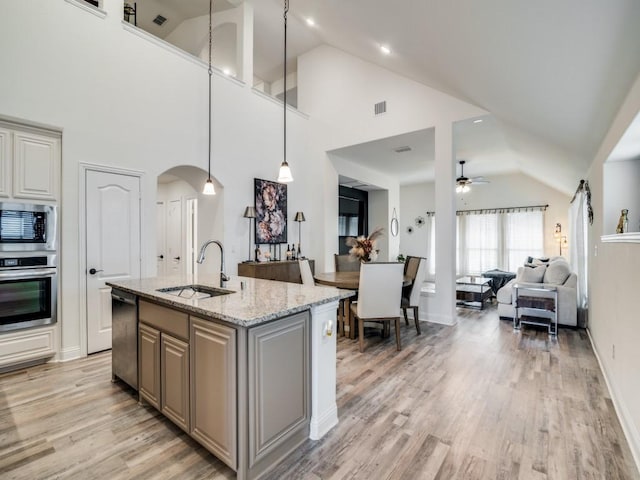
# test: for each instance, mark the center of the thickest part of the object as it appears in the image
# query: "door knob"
(161, 257)
(93, 271)
(176, 258)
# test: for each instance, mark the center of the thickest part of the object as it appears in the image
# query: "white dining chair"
(379, 295)
(411, 296)
(305, 273)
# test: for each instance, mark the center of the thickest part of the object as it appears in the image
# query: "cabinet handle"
(176, 258)
(161, 257)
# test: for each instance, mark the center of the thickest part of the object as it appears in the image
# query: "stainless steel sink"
(197, 292)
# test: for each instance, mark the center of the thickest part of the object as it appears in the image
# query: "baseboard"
(631, 434)
(437, 318)
(67, 354)
(320, 426)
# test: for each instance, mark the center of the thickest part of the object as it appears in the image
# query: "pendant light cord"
(210, 74)
(286, 10)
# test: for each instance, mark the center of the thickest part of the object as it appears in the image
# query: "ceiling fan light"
(466, 188)
(284, 176)
(458, 188)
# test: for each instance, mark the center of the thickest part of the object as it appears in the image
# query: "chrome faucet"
(223, 276)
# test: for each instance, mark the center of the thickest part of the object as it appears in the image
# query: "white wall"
(121, 100)
(510, 190)
(339, 91)
(620, 182)
(613, 290)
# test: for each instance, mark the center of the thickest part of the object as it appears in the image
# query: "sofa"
(554, 272)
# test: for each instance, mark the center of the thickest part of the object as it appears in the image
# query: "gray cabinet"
(149, 364)
(279, 389)
(213, 388)
(174, 380)
(163, 370)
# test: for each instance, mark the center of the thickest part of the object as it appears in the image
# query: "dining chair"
(346, 263)
(411, 294)
(379, 294)
(305, 273)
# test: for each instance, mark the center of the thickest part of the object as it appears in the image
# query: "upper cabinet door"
(5, 163)
(35, 166)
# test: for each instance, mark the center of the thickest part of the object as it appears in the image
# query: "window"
(500, 239)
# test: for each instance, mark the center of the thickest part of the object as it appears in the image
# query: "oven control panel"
(23, 262)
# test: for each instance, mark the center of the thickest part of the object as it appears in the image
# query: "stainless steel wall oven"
(28, 290)
(27, 227)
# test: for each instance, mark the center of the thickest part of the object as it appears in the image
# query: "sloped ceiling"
(552, 73)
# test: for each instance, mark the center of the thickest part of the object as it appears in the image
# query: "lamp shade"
(250, 212)
(299, 217)
(284, 175)
(209, 189)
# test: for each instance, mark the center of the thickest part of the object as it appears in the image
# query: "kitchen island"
(250, 373)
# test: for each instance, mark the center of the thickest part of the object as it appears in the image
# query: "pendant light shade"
(209, 189)
(284, 175)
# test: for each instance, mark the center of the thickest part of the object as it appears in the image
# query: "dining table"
(348, 281)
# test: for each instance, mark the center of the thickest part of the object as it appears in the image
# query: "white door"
(174, 237)
(161, 239)
(113, 246)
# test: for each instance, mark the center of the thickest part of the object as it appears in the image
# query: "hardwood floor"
(474, 401)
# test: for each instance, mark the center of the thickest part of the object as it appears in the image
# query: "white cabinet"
(29, 164)
(27, 345)
(5, 162)
(35, 166)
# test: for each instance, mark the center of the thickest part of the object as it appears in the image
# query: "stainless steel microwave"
(27, 227)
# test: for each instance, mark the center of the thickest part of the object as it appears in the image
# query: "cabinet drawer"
(164, 319)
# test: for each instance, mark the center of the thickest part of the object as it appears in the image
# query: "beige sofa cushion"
(532, 274)
(557, 273)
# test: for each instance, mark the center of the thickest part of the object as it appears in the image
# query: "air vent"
(159, 20)
(406, 148)
(380, 108)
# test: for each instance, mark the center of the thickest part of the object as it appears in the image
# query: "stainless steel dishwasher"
(124, 337)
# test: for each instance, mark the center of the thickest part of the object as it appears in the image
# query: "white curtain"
(500, 239)
(430, 225)
(578, 248)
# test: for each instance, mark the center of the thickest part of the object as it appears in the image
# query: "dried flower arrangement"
(363, 248)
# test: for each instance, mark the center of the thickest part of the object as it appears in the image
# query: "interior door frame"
(82, 237)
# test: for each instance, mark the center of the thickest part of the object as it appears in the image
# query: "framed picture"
(271, 211)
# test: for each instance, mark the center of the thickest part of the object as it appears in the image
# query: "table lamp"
(299, 218)
(250, 213)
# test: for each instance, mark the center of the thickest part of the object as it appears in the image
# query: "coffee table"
(473, 291)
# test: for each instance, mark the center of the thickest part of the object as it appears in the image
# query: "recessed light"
(385, 49)
(478, 121)
(311, 22)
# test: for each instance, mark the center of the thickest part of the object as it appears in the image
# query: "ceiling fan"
(463, 183)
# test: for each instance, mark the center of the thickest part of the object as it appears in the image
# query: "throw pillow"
(533, 275)
(557, 273)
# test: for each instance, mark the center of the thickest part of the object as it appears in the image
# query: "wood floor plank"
(472, 401)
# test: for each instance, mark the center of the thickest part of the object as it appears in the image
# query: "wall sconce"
(250, 213)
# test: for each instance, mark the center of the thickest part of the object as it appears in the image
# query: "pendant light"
(209, 189)
(284, 175)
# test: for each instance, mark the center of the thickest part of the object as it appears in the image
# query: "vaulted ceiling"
(552, 73)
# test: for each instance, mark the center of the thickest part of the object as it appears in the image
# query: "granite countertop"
(258, 302)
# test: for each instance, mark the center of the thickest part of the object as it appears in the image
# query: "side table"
(538, 305)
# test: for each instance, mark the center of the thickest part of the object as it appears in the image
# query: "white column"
(324, 409)
(444, 304)
(244, 41)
